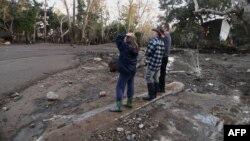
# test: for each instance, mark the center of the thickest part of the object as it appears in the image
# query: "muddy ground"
(218, 95)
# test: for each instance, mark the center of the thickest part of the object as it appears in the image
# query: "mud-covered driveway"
(220, 95)
(23, 65)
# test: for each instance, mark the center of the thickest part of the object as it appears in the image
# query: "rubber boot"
(129, 102)
(151, 92)
(156, 89)
(117, 108)
(161, 88)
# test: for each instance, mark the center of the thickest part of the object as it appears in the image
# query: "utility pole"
(129, 14)
(45, 21)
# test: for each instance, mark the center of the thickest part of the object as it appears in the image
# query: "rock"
(208, 59)
(65, 105)
(120, 129)
(242, 83)
(42, 86)
(97, 59)
(17, 98)
(139, 119)
(52, 96)
(224, 58)
(248, 70)
(32, 125)
(7, 43)
(15, 95)
(200, 90)
(141, 126)
(210, 84)
(188, 90)
(5, 108)
(102, 94)
(34, 138)
(175, 87)
(195, 90)
(189, 72)
(113, 65)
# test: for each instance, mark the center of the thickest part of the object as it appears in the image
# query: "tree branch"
(196, 5)
(211, 11)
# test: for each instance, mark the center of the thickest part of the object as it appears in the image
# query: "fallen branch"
(211, 11)
(234, 9)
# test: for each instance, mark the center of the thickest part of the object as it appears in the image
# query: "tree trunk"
(45, 23)
(27, 39)
(61, 31)
(142, 13)
(34, 37)
(102, 29)
(73, 25)
(69, 23)
(85, 22)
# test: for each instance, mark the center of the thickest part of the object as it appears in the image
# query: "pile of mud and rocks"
(73, 104)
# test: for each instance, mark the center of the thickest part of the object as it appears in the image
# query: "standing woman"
(129, 50)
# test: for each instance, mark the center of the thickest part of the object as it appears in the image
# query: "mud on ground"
(220, 95)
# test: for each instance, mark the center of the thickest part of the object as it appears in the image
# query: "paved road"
(22, 65)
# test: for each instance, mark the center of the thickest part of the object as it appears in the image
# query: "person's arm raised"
(120, 41)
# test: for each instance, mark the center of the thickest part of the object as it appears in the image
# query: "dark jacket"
(128, 56)
(167, 43)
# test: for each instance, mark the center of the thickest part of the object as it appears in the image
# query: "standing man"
(154, 54)
(167, 44)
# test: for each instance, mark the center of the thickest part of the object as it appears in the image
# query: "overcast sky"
(111, 5)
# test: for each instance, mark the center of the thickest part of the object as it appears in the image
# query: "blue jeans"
(152, 76)
(124, 80)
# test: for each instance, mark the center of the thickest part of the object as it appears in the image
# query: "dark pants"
(124, 80)
(163, 73)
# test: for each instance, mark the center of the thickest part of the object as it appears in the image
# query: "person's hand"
(130, 34)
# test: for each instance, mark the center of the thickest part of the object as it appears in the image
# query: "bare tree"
(62, 19)
(119, 15)
(141, 10)
(85, 21)
(68, 16)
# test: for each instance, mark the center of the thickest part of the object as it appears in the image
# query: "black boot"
(161, 88)
(151, 92)
(156, 89)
